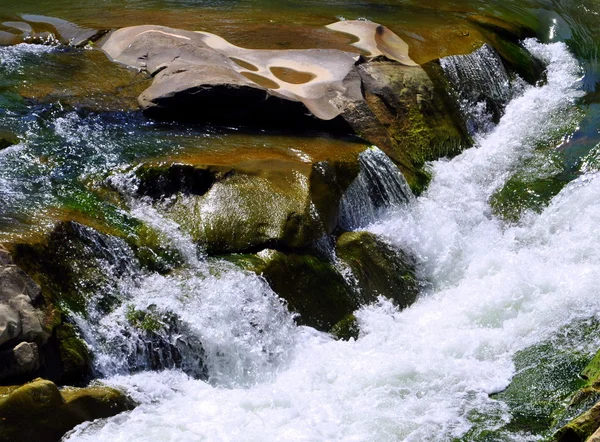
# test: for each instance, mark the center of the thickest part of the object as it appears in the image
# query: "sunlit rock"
(40, 411)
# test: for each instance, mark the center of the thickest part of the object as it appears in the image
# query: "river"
(496, 286)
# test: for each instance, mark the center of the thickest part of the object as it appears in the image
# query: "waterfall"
(379, 187)
(483, 86)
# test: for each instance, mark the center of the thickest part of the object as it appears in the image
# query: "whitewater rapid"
(418, 374)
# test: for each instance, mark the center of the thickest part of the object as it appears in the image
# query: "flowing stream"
(422, 374)
(232, 365)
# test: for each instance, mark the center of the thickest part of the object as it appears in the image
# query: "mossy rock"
(378, 268)
(74, 355)
(346, 329)
(410, 116)
(242, 203)
(547, 392)
(312, 286)
(580, 428)
(39, 411)
(591, 372)
(7, 139)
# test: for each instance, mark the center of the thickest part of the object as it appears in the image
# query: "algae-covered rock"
(378, 268)
(408, 113)
(580, 428)
(346, 329)
(241, 202)
(312, 287)
(7, 139)
(40, 411)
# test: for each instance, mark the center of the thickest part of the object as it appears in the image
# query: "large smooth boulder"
(386, 97)
(40, 411)
(242, 200)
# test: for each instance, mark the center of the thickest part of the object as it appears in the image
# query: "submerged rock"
(40, 411)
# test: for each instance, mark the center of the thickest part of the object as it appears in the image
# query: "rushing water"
(422, 374)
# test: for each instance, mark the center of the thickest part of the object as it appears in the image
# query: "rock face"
(387, 99)
(40, 411)
(237, 203)
(326, 293)
(378, 268)
(22, 332)
(7, 139)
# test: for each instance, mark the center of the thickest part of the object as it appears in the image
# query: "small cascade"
(483, 85)
(379, 187)
(209, 319)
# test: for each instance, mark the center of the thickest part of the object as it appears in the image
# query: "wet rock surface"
(21, 323)
(40, 411)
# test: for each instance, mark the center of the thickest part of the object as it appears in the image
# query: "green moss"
(74, 354)
(346, 329)
(148, 320)
(152, 250)
(591, 372)
(39, 411)
(519, 195)
(378, 268)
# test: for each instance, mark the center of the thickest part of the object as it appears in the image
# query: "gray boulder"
(21, 324)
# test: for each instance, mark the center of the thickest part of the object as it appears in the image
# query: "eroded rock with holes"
(382, 95)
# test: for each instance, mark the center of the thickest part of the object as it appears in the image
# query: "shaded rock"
(21, 324)
(5, 258)
(378, 268)
(31, 319)
(10, 324)
(580, 428)
(14, 281)
(7, 139)
(39, 411)
(20, 362)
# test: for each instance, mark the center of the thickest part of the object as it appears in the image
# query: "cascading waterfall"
(378, 187)
(210, 319)
(483, 86)
(423, 373)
